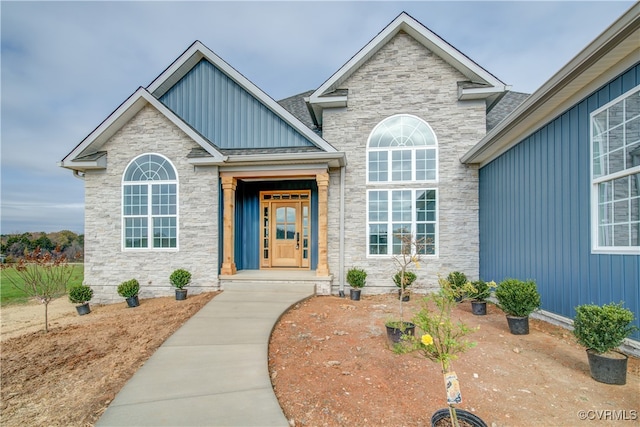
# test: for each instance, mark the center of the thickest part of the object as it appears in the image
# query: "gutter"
(603, 45)
(341, 241)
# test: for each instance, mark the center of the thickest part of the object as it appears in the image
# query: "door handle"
(297, 240)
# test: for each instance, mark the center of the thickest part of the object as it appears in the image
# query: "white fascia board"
(84, 165)
(332, 101)
(430, 40)
(611, 53)
(122, 115)
(195, 53)
(109, 126)
(334, 159)
(480, 93)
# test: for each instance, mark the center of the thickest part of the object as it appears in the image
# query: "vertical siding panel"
(535, 214)
(224, 112)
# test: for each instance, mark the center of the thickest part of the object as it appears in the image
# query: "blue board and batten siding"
(226, 114)
(535, 215)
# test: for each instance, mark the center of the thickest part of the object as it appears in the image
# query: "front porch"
(253, 279)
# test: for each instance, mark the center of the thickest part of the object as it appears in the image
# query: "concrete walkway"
(213, 371)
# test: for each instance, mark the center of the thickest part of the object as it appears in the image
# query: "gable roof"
(198, 51)
(614, 51)
(87, 154)
(484, 85)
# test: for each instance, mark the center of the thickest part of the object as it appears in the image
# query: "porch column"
(322, 179)
(229, 184)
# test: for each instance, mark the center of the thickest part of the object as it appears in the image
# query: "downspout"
(341, 262)
(78, 174)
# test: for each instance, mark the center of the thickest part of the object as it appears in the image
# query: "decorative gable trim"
(85, 155)
(198, 51)
(328, 95)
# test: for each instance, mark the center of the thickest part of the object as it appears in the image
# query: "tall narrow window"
(401, 158)
(150, 204)
(615, 172)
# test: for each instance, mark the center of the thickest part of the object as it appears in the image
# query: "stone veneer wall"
(403, 77)
(106, 263)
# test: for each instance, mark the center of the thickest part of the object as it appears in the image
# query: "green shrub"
(180, 278)
(80, 294)
(356, 277)
(457, 280)
(409, 278)
(129, 289)
(518, 298)
(602, 328)
(478, 290)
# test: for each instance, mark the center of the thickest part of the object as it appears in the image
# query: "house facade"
(202, 170)
(560, 181)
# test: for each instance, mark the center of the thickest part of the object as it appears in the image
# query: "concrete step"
(269, 286)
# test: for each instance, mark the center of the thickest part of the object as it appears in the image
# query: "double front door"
(286, 232)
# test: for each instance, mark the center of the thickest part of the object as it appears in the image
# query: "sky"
(65, 66)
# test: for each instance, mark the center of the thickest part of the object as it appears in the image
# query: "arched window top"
(402, 131)
(150, 167)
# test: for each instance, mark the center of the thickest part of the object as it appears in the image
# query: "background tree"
(41, 275)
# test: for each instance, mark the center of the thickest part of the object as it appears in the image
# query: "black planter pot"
(133, 301)
(518, 325)
(442, 418)
(354, 294)
(83, 309)
(181, 294)
(394, 333)
(406, 296)
(608, 368)
(479, 308)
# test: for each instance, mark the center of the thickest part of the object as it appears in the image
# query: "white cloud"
(67, 65)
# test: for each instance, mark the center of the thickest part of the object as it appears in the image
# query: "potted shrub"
(396, 329)
(518, 299)
(81, 295)
(356, 278)
(129, 290)
(180, 278)
(442, 340)
(404, 281)
(478, 292)
(601, 329)
(409, 254)
(457, 282)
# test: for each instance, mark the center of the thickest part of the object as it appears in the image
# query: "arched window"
(402, 148)
(150, 204)
(402, 156)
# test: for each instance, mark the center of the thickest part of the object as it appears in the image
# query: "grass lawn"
(9, 294)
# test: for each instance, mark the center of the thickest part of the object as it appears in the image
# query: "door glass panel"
(285, 223)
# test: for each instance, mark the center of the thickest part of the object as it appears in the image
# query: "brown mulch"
(67, 377)
(329, 362)
(331, 365)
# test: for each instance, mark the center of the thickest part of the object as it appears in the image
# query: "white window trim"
(596, 248)
(413, 156)
(149, 216)
(389, 222)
